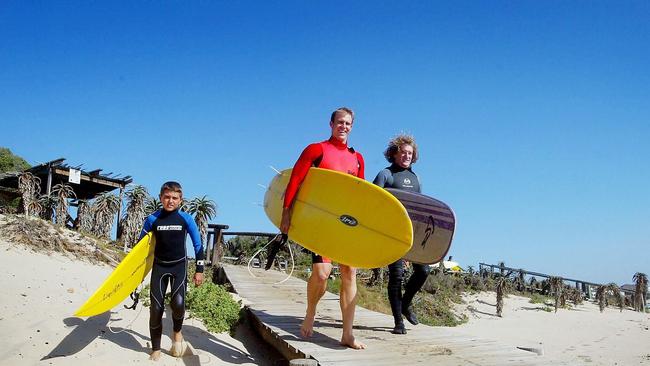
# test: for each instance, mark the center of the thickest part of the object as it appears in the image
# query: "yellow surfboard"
(344, 218)
(125, 278)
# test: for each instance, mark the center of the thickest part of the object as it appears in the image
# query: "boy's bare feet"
(177, 344)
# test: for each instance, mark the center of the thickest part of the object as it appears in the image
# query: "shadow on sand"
(86, 331)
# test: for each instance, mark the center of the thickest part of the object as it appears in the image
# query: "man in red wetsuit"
(331, 154)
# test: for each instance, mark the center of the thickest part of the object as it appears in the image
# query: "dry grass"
(42, 236)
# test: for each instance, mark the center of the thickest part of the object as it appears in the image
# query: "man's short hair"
(342, 110)
(395, 143)
(171, 186)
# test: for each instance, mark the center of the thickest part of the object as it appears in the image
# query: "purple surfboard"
(433, 226)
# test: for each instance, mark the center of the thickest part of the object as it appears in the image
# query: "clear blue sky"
(532, 117)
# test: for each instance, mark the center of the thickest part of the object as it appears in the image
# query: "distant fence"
(583, 286)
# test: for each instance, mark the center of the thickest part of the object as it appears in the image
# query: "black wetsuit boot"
(414, 284)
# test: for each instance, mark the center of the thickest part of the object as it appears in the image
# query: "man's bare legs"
(316, 287)
(348, 301)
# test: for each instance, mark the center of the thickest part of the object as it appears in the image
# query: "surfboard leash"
(276, 243)
(135, 296)
(250, 261)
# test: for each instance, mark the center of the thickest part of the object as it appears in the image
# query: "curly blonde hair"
(396, 142)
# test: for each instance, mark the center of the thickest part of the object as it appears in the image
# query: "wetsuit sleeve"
(195, 235)
(148, 224)
(300, 169)
(362, 166)
(382, 178)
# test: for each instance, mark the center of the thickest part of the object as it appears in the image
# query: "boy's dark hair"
(171, 186)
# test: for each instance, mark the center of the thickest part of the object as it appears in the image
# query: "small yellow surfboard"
(344, 218)
(125, 278)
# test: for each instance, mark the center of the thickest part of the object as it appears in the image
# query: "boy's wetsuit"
(397, 177)
(170, 265)
(330, 154)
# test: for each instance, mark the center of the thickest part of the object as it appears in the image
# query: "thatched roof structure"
(56, 171)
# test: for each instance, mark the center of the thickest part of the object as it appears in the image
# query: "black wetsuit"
(170, 265)
(397, 177)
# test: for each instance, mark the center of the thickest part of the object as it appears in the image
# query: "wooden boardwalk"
(278, 310)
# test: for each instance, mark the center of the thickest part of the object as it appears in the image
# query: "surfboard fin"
(273, 168)
(275, 246)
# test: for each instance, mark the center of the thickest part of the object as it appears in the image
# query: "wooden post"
(119, 215)
(217, 241)
(49, 179)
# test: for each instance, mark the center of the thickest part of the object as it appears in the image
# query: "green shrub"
(214, 306)
(539, 299)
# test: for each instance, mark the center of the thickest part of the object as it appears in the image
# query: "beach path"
(279, 310)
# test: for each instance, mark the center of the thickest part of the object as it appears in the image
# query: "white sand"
(39, 294)
(580, 336)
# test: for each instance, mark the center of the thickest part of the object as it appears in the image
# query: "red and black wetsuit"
(330, 154)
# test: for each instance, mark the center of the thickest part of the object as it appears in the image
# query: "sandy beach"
(581, 335)
(41, 291)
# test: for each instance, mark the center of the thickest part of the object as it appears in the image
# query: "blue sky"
(532, 117)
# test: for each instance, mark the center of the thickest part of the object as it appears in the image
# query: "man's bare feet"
(307, 327)
(352, 343)
(155, 355)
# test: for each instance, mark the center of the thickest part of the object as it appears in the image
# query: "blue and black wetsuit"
(170, 265)
(397, 177)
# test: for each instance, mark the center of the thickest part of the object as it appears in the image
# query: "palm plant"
(533, 284)
(520, 281)
(104, 209)
(203, 210)
(61, 193)
(641, 289)
(134, 215)
(30, 187)
(557, 288)
(576, 296)
(563, 295)
(48, 203)
(84, 216)
(616, 291)
(501, 289)
(35, 208)
(471, 270)
(601, 296)
(153, 204)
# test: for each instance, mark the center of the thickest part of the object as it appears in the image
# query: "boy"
(170, 226)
